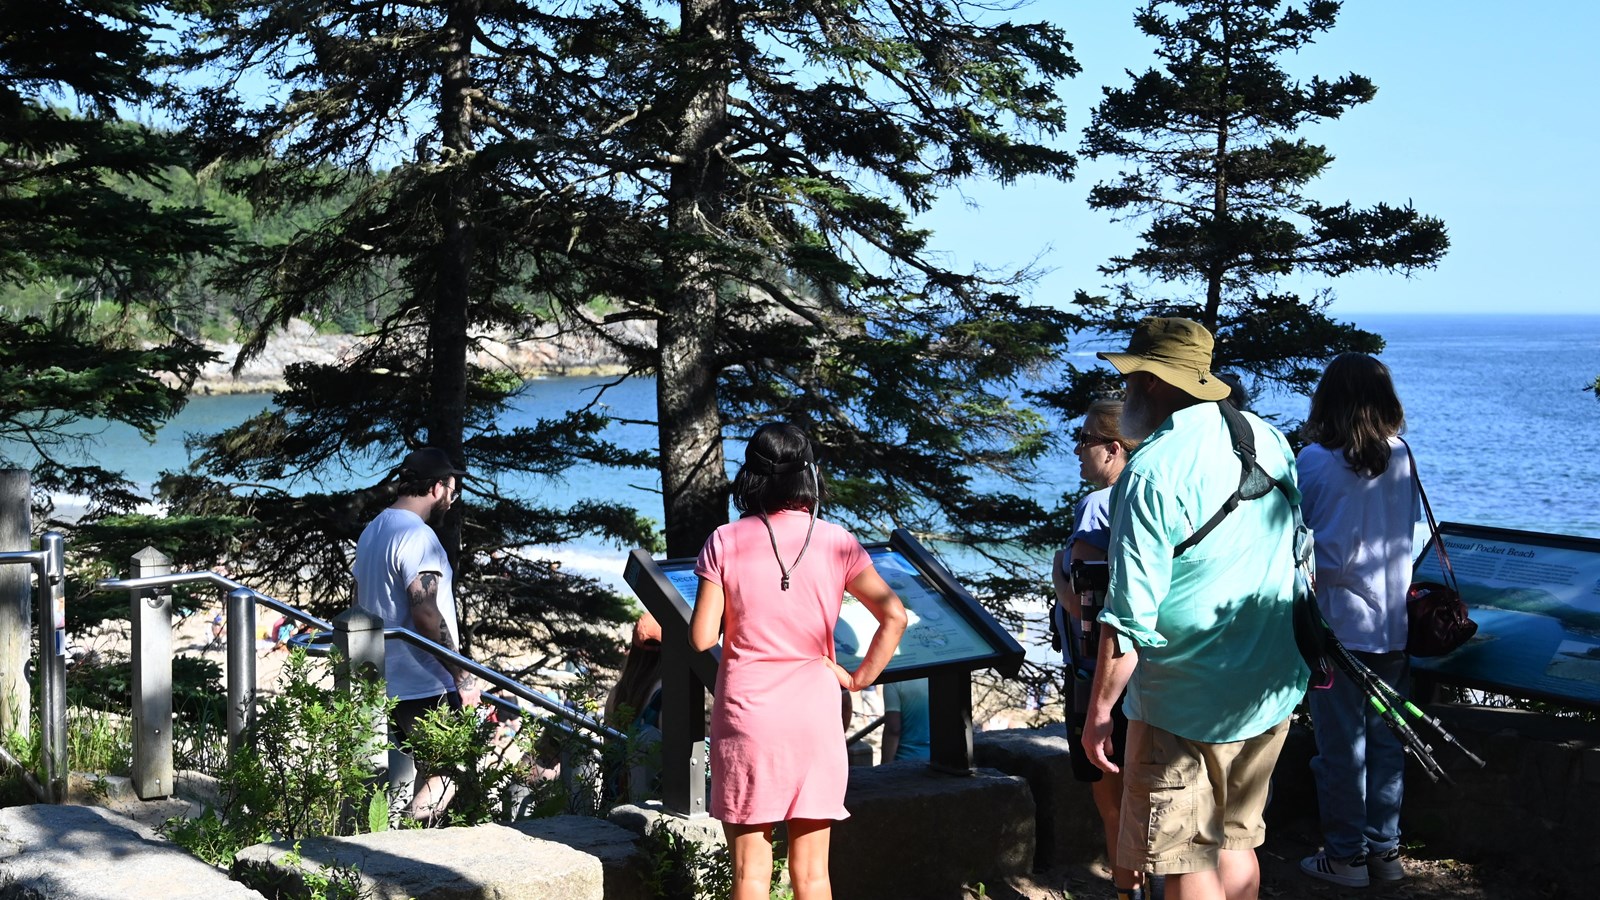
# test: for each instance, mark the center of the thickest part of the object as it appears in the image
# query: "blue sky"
(1485, 116)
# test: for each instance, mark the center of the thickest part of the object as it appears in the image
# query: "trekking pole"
(1421, 751)
(1409, 739)
(1438, 726)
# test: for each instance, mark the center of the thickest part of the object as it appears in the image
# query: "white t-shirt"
(1363, 530)
(395, 548)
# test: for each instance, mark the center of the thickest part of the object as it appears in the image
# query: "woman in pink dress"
(771, 584)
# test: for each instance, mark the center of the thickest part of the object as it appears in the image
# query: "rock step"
(87, 853)
(570, 857)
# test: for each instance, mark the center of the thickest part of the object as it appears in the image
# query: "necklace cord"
(811, 525)
(773, 536)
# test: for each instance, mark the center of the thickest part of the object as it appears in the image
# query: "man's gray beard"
(1137, 416)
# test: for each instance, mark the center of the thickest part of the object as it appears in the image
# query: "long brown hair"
(1356, 409)
(641, 675)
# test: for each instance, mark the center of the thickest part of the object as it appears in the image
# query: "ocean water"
(1504, 432)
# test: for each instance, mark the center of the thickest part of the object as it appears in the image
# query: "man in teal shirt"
(1203, 639)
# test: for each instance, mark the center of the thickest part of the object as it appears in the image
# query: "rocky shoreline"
(550, 352)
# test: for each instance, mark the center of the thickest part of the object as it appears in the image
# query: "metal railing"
(49, 568)
(359, 637)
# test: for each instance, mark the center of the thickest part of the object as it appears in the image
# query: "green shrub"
(303, 769)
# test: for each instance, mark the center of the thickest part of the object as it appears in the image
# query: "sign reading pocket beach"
(1536, 599)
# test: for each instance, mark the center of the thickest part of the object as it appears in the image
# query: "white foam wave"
(603, 563)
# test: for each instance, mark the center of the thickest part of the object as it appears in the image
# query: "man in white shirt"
(403, 576)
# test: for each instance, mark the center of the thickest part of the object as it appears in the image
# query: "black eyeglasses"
(453, 490)
(1085, 439)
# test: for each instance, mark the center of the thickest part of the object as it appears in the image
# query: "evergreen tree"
(442, 139)
(1216, 173)
(743, 179)
(67, 229)
(800, 141)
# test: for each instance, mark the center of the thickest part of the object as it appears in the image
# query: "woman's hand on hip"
(846, 680)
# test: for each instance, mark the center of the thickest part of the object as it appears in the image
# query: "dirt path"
(1428, 877)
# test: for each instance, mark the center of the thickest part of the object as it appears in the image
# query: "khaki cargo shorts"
(1184, 801)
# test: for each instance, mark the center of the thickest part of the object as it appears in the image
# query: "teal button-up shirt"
(1213, 628)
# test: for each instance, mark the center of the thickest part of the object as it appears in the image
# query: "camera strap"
(1254, 482)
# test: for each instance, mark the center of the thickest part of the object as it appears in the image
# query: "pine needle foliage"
(741, 177)
(107, 255)
(1218, 176)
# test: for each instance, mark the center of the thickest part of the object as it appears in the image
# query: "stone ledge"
(1532, 808)
(1067, 826)
(86, 853)
(571, 857)
(916, 833)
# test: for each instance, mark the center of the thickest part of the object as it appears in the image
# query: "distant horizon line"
(1456, 313)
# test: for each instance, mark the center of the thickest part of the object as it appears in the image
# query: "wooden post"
(151, 615)
(16, 602)
(358, 638)
(358, 646)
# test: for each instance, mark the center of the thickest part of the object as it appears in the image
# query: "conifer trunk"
(694, 479)
(452, 287)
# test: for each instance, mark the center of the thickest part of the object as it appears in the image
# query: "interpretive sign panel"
(948, 636)
(1536, 599)
(947, 626)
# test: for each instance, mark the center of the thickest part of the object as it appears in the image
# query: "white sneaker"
(1386, 867)
(1350, 873)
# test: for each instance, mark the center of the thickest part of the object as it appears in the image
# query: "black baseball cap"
(427, 462)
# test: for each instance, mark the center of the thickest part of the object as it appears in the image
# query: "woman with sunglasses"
(771, 587)
(1102, 453)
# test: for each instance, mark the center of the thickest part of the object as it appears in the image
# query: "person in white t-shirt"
(1360, 499)
(403, 576)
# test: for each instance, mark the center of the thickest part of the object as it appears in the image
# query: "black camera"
(1090, 576)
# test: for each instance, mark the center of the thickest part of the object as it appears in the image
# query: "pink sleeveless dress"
(777, 742)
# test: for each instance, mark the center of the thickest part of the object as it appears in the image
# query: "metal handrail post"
(241, 666)
(53, 664)
(150, 611)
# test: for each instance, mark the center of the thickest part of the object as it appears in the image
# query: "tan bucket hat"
(1177, 351)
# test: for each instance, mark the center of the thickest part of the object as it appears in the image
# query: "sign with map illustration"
(946, 626)
(1536, 599)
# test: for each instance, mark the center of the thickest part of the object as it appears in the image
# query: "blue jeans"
(1360, 764)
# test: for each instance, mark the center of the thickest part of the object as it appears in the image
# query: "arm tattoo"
(423, 593)
(425, 589)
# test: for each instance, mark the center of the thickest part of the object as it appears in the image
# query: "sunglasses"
(1085, 439)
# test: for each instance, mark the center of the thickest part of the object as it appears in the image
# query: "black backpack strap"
(1254, 482)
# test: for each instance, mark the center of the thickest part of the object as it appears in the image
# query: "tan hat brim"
(1202, 386)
